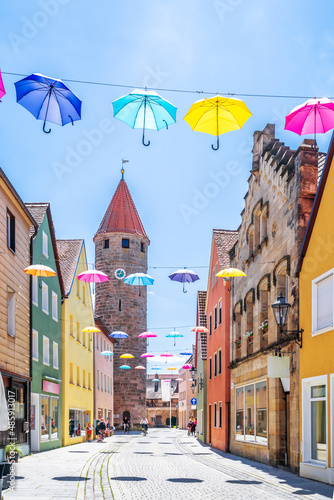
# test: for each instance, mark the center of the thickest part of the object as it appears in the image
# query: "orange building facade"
(218, 341)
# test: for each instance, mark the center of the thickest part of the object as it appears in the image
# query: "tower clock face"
(120, 273)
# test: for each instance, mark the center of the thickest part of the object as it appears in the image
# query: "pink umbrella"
(140, 367)
(312, 117)
(187, 366)
(2, 88)
(167, 380)
(200, 329)
(147, 355)
(93, 276)
(147, 335)
(166, 355)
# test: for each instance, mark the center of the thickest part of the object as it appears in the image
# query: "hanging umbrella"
(200, 329)
(40, 270)
(217, 115)
(166, 355)
(186, 353)
(187, 366)
(156, 368)
(179, 379)
(93, 276)
(147, 355)
(125, 367)
(106, 353)
(174, 335)
(230, 273)
(126, 356)
(91, 329)
(140, 367)
(147, 335)
(144, 109)
(139, 279)
(184, 276)
(315, 116)
(2, 88)
(167, 380)
(119, 335)
(172, 368)
(48, 99)
(156, 379)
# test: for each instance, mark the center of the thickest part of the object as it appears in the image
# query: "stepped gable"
(121, 215)
(201, 299)
(224, 239)
(68, 252)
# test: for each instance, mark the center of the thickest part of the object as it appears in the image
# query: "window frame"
(124, 244)
(11, 230)
(34, 345)
(45, 297)
(34, 290)
(242, 437)
(46, 340)
(55, 349)
(220, 315)
(45, 244)
(54, 295)
(315, 282)
(219, 361)
(11, 312)
(307, 384)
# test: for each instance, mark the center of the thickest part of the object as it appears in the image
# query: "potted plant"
(238, 342)
(12, 452)
(264, 326)
(249, 335)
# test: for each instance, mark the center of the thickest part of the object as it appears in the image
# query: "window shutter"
(325, 303)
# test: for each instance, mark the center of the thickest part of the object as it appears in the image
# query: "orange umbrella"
(40, 270)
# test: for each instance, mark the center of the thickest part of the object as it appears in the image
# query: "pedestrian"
(193, 428)
(71, 427)
(78, 429)
(101, 430)
(189, 426)
(126, 425)
(144, 424)
(89, 431)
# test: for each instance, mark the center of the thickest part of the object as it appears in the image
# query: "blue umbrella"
(106, 353)
(184, 276)
(186, 353)
(125, 367)
(48, 99)
(139, 279)
(144, 109)
(119, 335)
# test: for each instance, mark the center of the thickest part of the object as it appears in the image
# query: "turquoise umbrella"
(174, 335)
(139, 279)
(144, 109)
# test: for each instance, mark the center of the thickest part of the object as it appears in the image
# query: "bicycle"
(126, 427)
(144, 427)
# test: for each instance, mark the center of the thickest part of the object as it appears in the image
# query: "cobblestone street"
(161, 466)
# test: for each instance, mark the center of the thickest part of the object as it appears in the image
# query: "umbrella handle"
(162, 120)
(215, 149)
(184, 290)
(44, 130)
(143, 140)
(71, 119)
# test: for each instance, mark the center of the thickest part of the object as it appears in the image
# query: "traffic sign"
(193, 401)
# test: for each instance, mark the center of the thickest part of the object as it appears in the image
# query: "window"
(142, 247)
(264, 311)
(78, 376)
(46, 350)
(125, 243)
(215, 312)
(98, 379)
(45, 420)
(219, 312)
(35, 345)
(220, 414)
(84, 379)
(314, 418)
(78, 331)
(71, 373)
(263, 224)
(215, 415)
(251, 240)
(219, 361)
(249, 319)
(210, 325)
(110, 385)
(105, 243)
(54, 306)
(54, 417)
(210, 368)
(97, 340)
(34, 290)
(11, 312)
(78, 288)
(55, 355)
(45, 298)
(89, 384)
(251, 412)
(45, 244)
(10, 231)
(77, 423)
(84, 295)
(215, 365)
(101, 381)
(71, 326)
(105, 382)
(84, 339)
(322, 302)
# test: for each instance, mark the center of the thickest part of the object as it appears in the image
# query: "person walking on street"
(193, 428)
(126, 425)
(101, 430)
(189, 426)
(144, 424)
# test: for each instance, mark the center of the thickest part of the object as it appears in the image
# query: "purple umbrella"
(184, 276)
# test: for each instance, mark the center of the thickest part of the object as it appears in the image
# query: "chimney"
(261, 140)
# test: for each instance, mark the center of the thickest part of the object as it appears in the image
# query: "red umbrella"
(200, 329)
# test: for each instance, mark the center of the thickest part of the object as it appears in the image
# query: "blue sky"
(239, 46)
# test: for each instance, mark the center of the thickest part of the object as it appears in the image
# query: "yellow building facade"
(316, 273)
(77, 352)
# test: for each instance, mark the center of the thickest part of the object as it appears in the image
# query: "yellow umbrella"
(126, 356)
(230, 273)
(171, 368)
(91, 329)
(217, 115)
(40, 270)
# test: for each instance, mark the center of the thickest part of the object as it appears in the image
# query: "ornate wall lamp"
(281, 309)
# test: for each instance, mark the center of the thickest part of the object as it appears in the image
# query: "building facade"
(121, 247)
(46, 345)
(265, 410)
(158, 410)
(218, 341)
(187, 391)
(316, 277)
(77, 352)
(201, 362)
(15, 330)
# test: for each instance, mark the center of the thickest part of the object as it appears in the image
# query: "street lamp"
(193, 373)
(280, 310)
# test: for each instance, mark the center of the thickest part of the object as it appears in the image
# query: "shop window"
(251, 412)
(54, 306)
(35, 345)
(11, 301)
(45, 298)
(314, 418)
(45, 244)
(34, 290)
(125, 243)
(322, 302)
(77, 423)
(45, 418)
(54, 418)
(46, 350)
(55, 355)
(10, 231)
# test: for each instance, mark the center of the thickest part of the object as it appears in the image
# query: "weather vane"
(122, 170)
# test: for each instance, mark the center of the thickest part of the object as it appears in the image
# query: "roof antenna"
(122, 170)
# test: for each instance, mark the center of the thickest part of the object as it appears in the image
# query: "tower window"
(105, 243)
(120, 305)
(142, 247)
(125, 243)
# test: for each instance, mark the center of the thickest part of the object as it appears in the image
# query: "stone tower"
(121, 244)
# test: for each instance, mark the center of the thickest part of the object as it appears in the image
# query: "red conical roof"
(121, 215)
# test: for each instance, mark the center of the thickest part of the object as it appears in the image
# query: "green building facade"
(201, 355)
(46, 337)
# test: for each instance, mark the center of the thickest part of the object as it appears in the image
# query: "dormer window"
(125, 243)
